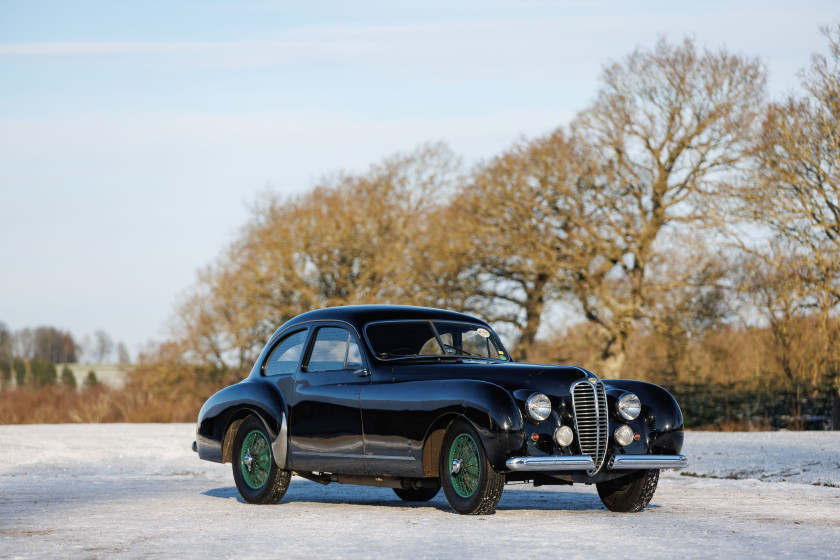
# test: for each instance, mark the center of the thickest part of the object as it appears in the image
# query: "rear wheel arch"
(237, 417)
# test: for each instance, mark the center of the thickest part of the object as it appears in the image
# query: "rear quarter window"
(284, 359)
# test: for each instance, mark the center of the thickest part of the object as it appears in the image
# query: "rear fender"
(222, 414)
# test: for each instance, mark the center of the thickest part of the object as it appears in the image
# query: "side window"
(285, 357)
(334, 349)
(354, 355)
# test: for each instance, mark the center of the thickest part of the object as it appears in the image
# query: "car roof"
(359, 315)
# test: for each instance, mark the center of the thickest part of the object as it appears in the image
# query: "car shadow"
(336, 495)
(226, 493)
(514, 499)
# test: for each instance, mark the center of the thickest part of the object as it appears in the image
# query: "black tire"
(417, 494)
(257, 477)
(474, 488)
(629, 494)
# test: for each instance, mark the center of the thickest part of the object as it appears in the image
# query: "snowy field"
(138, 491)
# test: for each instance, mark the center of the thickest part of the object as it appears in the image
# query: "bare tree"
(6, 351)
(515, 222)
(364, 233)
(25, 343)
(53, 345)
(795, 189)
(352, 239)
(104, 345)
(123, 356)
(668, 125)
(690, 293)
(775, 289)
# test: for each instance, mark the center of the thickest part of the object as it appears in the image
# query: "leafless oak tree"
(667, 127)
(514, 223)
(795, 189)
(352, 239)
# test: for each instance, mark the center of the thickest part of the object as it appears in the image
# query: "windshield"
(400, 339)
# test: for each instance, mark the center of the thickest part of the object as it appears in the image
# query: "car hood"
(549, 379)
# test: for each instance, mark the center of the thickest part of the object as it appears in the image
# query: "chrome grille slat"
(591, 421)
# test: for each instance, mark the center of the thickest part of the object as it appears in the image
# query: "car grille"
(590, 403)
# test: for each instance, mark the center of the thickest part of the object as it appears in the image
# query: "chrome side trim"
(280, 444)
(386, 457)
(635, 462)
(565, 463)
(329, 455)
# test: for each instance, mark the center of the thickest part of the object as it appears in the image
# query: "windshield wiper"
(392, 355)
(460, 351)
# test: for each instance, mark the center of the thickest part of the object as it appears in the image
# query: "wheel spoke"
(256, 469)
(465, 450)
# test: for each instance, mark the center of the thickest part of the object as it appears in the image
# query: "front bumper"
(567, 463)
(636, 462)
(585, 463)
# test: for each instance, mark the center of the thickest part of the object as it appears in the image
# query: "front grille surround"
(589, 401)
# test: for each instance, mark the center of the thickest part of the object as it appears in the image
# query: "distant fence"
(714, 406)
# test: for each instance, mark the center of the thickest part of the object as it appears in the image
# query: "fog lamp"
(563, 436)
(624, 435)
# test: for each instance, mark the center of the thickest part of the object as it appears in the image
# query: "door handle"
(362, 372)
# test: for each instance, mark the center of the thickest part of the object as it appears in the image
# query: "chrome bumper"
(585, 463)
(567, 463)
(636, 462)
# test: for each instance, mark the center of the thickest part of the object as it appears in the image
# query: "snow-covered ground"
(138, 491)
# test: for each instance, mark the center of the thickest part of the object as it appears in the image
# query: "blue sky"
(134, 134)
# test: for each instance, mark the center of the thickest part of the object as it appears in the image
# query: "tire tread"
(634, 496)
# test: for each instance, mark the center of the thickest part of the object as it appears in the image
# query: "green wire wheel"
(471, 484)
(465, 469)
(258, 478)
(255, 457)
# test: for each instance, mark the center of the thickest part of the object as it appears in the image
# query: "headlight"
(629, 406)
(538, 407)
(624, 435)
(563, 436)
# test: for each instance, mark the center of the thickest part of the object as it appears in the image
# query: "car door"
(325, 427)
(396, 410)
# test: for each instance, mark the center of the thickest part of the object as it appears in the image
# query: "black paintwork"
(387, 418)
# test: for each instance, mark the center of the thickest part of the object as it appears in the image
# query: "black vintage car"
(414, 399)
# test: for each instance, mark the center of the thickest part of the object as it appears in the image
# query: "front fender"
(661, 419)
(493, 411)
(418, 410)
